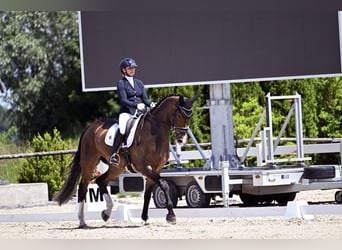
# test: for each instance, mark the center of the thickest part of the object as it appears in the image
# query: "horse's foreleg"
(170, 217)
(155, 178)
(103, 190)
(147, 198)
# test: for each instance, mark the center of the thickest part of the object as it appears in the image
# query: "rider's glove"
(141, 106)
(152, 105)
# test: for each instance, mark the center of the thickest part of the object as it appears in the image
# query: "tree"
(329, 95)
(40, 64)
(304, 87)
(248, 105)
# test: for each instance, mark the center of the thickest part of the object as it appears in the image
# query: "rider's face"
(130, 71)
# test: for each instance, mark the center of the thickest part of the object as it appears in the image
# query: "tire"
(159, 195)
(282, 199)
(252, 200)
(248, 199)
(338, 197)
(319, 172)
(194, 196)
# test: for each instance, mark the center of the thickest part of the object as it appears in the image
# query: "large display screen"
(205, 46)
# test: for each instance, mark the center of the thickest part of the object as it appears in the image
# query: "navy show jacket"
(129, 97)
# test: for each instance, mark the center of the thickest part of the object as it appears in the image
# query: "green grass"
(8, 168)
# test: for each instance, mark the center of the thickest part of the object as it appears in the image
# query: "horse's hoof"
(83, 226)
(144, 218)
(104, 216)
(171, 219)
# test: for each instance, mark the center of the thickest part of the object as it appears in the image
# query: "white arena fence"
(331, 145)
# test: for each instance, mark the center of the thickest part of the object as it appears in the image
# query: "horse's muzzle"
(181, 138)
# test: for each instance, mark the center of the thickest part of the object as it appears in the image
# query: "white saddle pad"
(109, 139)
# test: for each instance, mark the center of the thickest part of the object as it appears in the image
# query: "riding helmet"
(127, 62)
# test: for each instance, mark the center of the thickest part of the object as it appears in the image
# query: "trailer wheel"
(282, 199)
(159, 195)
(319, 172)
(194, 196)
(338, 197)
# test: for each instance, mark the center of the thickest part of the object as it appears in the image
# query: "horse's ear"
(194, 98)
(181, 100)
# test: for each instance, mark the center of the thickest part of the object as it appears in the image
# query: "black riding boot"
(114, 159)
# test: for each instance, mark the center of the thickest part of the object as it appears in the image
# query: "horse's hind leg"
(102, 182)
(82, 191)
(103, 190)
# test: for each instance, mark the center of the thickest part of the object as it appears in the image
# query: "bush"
(50, 169)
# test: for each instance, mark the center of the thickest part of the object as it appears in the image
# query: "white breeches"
(123, 119)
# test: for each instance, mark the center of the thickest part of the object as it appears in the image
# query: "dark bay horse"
(148, 154)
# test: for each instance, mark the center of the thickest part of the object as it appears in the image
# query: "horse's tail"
(69, 185)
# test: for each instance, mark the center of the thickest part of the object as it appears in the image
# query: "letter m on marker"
(94, 195)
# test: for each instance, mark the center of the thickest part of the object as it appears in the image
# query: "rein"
(185, 112)
(141, 125)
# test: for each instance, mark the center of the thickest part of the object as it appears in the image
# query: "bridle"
(187, 113)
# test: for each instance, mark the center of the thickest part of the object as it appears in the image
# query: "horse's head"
(181, 118)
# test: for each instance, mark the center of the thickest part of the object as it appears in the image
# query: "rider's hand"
(141, 106)
(152, 105)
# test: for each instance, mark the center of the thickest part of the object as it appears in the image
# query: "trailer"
(281, 171)
(254, 185)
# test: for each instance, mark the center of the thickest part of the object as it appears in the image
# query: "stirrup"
(114, 159)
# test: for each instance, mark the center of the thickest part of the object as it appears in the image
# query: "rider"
(132, 96)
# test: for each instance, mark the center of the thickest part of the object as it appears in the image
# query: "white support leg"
(225, 182)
